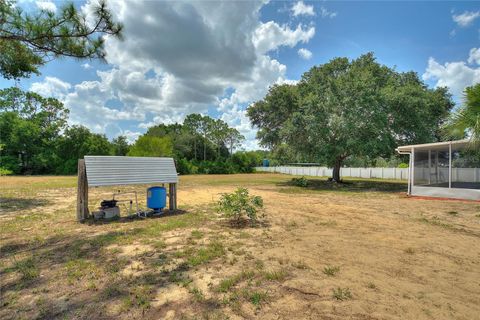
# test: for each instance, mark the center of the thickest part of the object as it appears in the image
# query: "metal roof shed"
(95, 171)
(443, 169)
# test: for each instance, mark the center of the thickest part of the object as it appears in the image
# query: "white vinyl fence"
(379, 173)
(421, 174)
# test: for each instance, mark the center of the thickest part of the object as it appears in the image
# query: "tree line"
(36, 139)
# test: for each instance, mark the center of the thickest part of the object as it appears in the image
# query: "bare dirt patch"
(363, 251)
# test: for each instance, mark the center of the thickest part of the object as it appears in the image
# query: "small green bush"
(403, 165)
(342, 293)
(239, 205)
(300, 182)
(5, 172)
(331, 270)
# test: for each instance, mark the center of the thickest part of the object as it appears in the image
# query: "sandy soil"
(393, 257)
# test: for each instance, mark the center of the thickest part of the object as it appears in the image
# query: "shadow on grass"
(85, 266)
(133, 218)
(8, 205)
(351, 185)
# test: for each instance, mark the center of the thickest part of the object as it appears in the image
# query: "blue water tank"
(266, 163)
(156, 198)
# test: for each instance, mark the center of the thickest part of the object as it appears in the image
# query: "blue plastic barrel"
(156, 198)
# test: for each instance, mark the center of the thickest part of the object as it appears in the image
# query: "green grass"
(275, 275)
(331, 270)
(206, 254)
(197, 234)
(342, 294)
(80, 268)
(300, 265)
(257, 298)
(349, 185)
(228, 283)
(139, 297)
(197, 294)
(179, 278)
(27, 268)
(371, 285)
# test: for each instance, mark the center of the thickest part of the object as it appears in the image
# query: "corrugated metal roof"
(114, 170)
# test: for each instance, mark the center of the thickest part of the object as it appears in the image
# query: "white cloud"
(203, 52)
(86, 66)
(131, 135)
(46, 5)
(474, 56)
(305, 53)
(327, 14)
(465, 19)
(454, 75)
(51, 87)
(301, 8)
(269, 36)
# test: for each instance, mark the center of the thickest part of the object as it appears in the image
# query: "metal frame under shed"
(95, 171)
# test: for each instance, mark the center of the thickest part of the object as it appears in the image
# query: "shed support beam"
(82, 192)
(172, 196)
(450, 165)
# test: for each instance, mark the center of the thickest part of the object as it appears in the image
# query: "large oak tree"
(350, 108)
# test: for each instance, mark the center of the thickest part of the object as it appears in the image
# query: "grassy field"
(362, 250)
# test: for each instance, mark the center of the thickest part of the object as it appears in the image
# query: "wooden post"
(172, 199)
(82, 192)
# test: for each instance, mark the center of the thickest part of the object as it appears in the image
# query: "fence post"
(82, 192)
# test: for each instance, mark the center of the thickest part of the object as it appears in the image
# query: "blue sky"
(217, 58)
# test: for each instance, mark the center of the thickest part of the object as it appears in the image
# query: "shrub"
(215, 167)
(186, 167)
(300, 182)
(239, 205)
(11, 164)
(331, 270)
(342, 293)
(5, 172)
(245, 162)
(403, 165)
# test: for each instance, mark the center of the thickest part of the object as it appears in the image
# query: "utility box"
(110, 213)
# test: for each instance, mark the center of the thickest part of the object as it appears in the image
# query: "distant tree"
(233, 139)
(350, 108)
(75, 143)
(218, 133)
(150, 146)
(29, 127)
(120, 146)
(193, 124)
(465, 122)
(201, 127)
(28, 41)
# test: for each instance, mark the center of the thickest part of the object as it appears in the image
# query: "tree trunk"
(204, 149)
(336, 170)
(195, 147)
